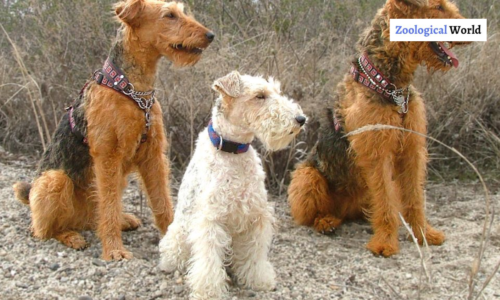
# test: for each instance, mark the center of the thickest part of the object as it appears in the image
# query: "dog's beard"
(274, 141)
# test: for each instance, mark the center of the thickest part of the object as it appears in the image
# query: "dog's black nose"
(210, 36)
(301, 120)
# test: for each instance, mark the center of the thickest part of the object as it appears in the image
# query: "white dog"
(222, 217)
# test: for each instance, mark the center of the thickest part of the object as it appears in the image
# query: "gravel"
(308, 265)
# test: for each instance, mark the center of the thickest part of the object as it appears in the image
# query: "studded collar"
(365, 73)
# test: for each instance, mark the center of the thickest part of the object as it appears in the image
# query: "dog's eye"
(440, 7)
(261, 96)
(169, 15)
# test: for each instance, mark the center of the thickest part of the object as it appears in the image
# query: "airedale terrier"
(115, 127)
(375, 174)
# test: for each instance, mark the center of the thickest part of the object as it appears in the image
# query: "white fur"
(222, 217)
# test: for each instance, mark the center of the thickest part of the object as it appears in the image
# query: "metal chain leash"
(143, 103)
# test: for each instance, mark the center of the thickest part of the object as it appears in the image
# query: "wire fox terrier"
(222, 216)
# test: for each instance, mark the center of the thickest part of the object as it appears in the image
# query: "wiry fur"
(222, 216)
(376, 174)
(80, 185)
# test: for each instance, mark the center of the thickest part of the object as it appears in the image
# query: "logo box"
(438, 30)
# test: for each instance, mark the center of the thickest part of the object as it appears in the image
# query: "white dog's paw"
(208, 294)
(167, 265)
(268, 284)
(262, 280)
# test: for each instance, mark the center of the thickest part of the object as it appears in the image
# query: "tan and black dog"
(376, 174)
(114, 128)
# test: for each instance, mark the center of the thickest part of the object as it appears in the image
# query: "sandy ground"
(308, 265)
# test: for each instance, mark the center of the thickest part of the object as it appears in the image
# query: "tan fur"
(388, 167)
(115, 125)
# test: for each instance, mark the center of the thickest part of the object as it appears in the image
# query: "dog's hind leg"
(72, 239)
(130, 222)
(52, 203)
(250, 249)
(310, 199)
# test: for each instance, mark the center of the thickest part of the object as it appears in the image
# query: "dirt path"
(309, 265)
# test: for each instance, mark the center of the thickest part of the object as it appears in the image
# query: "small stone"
(178, 289)
(122, 297)
(84, 298)
(408, 275)
(157, 295)
(54, 266)
(178, 280)
(98, 262)
(164, 285)
(247, 294)
(352, 278)
(21, 285)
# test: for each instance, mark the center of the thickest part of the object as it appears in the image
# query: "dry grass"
(305, 44)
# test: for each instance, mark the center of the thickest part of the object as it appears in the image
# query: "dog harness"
(225, 145)
(368, 75)
(113, 77)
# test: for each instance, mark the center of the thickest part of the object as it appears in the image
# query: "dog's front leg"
(375, 155)
(110, 183)
(412, 166)
(155, 177)
(207, 275)
(250, 262)
(385, 207)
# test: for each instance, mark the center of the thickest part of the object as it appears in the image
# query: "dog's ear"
(229, 85)
(418, 3)
(128, 11)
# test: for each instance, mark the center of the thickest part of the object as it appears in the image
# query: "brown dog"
(375, 174)
(115, 127)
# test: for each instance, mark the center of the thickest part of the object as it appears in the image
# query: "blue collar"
(225, 145)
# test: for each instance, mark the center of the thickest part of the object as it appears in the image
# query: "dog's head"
(164, 27)
(435, 55)
(257, 105)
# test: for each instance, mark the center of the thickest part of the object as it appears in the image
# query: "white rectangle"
(438, 30)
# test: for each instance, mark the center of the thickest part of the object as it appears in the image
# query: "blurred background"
(49, 48)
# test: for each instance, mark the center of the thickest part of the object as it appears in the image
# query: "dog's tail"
(22, 191)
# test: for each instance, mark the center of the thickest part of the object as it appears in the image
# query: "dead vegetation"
(47, 52)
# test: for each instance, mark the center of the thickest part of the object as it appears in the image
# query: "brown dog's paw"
(117, 255)
(433, 237)
(130, 222)
(327, 224)
(384, 248)
(72, 239)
